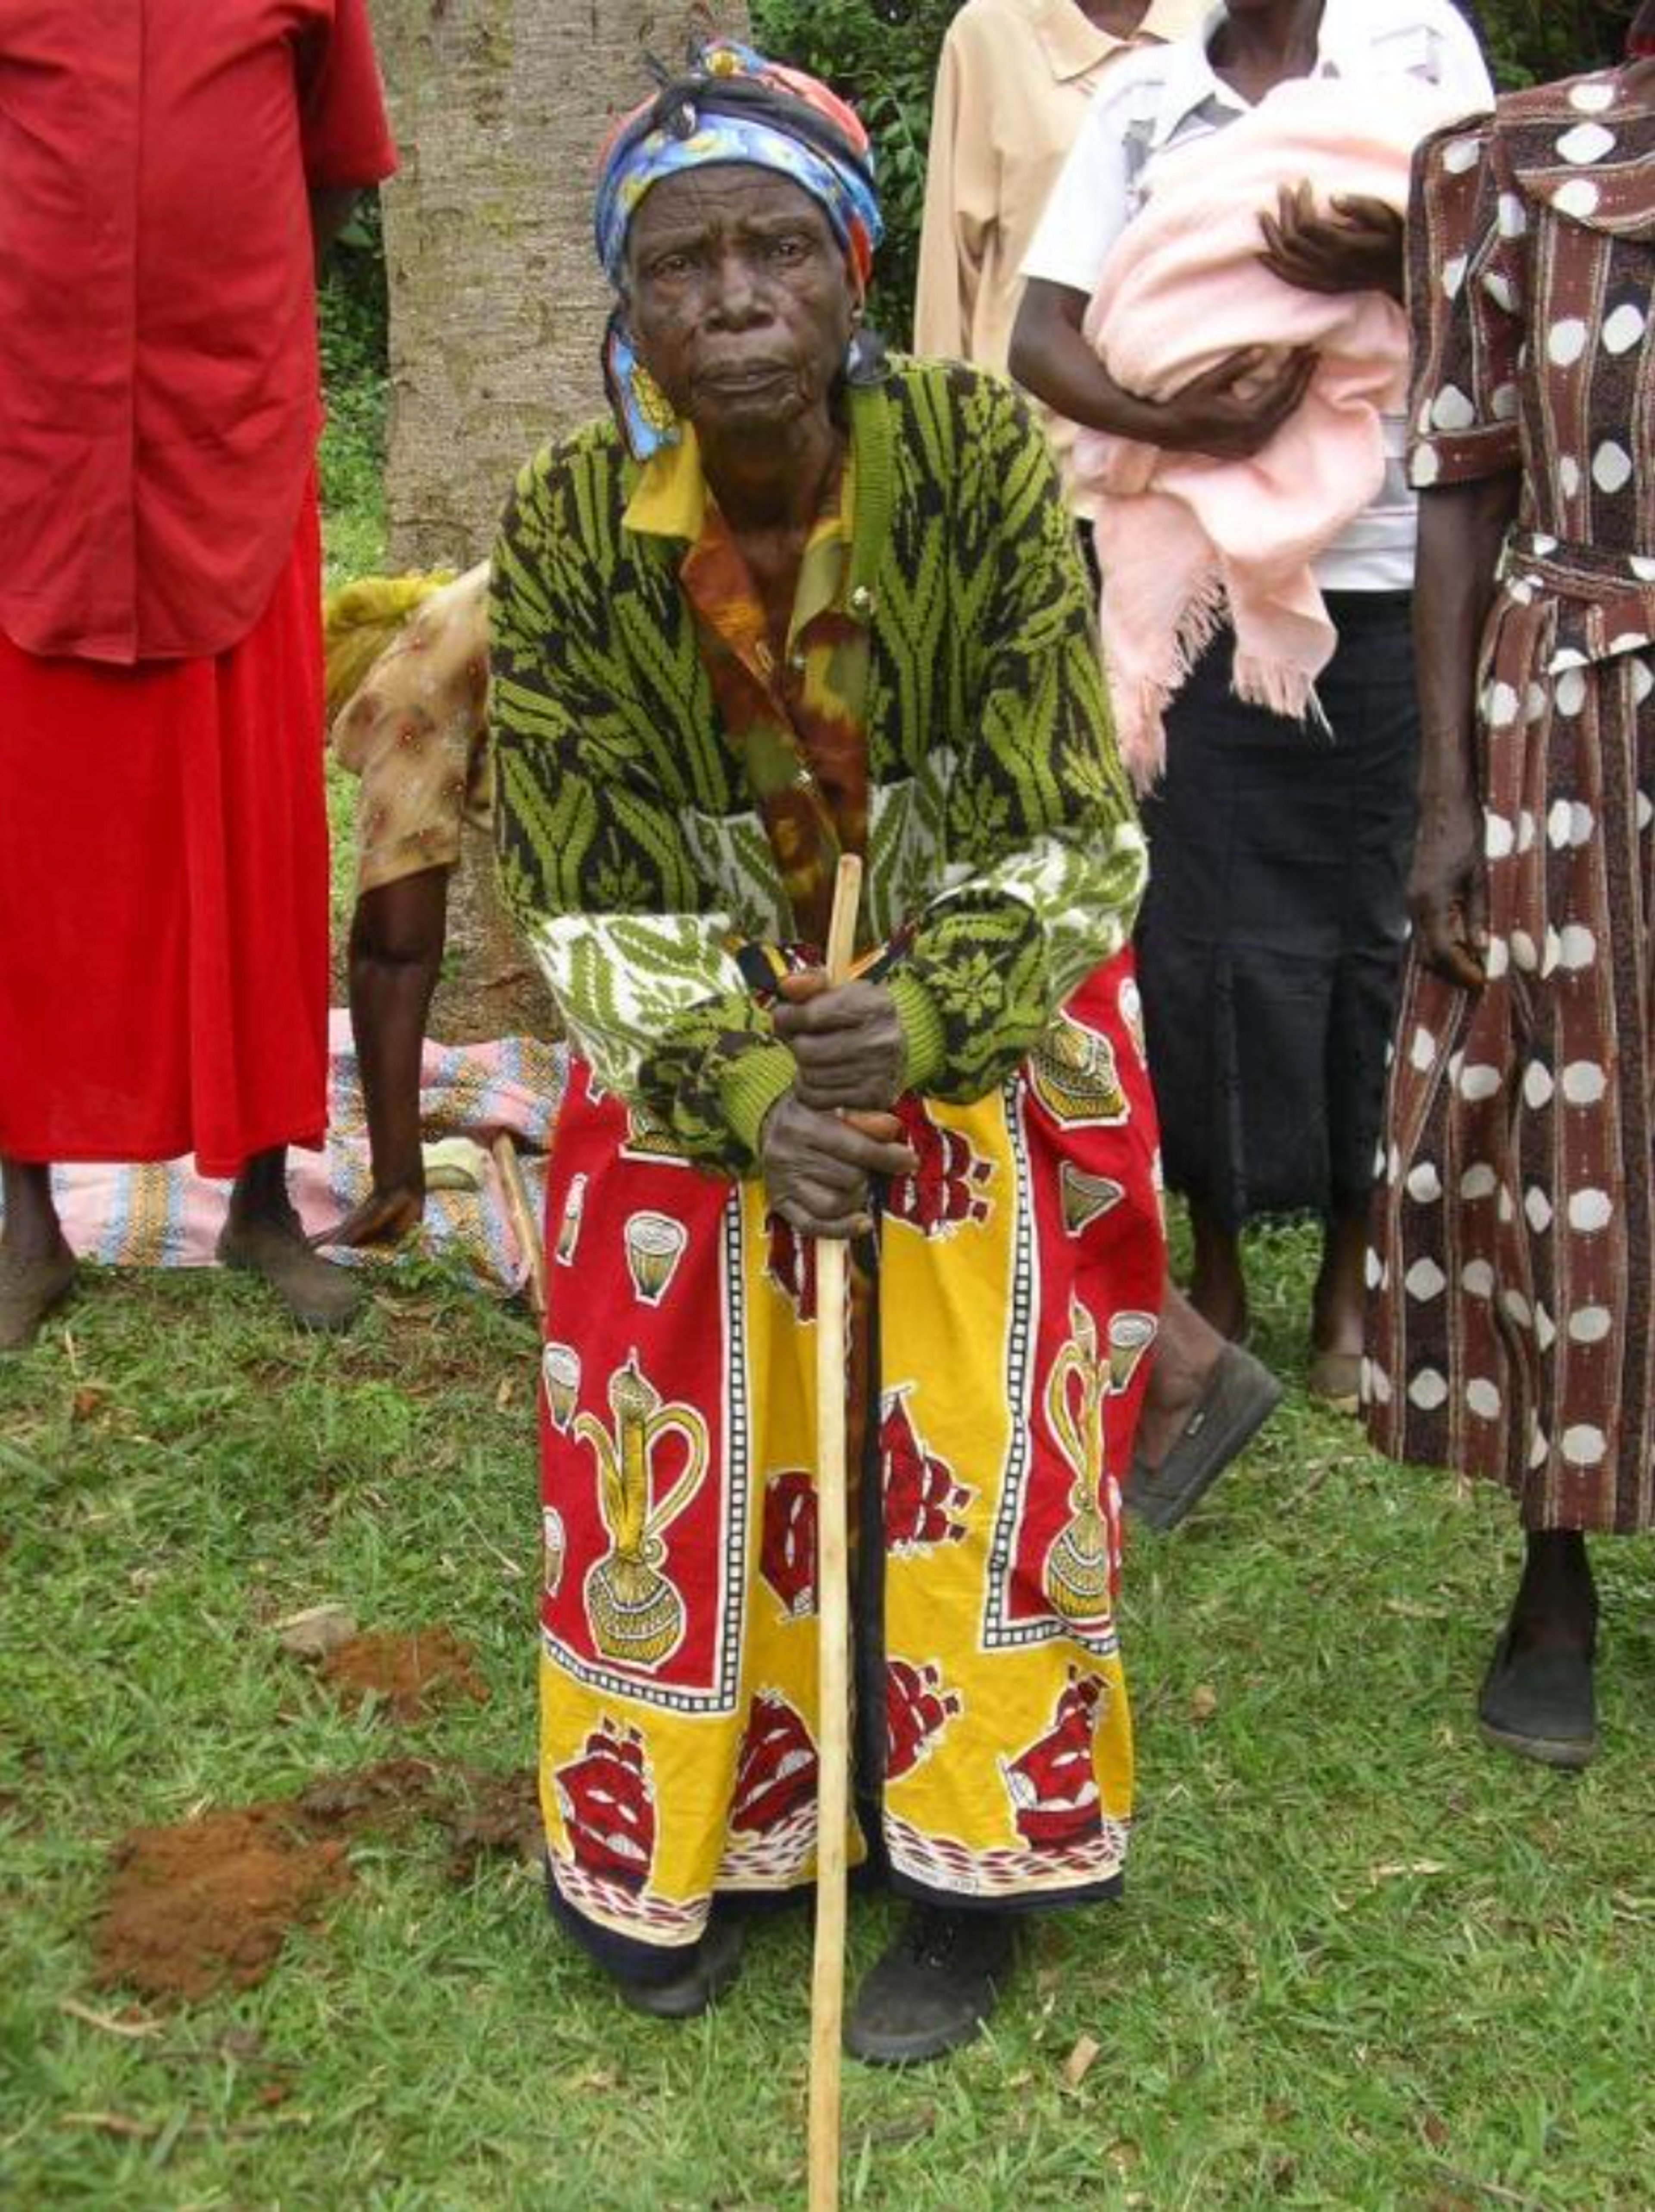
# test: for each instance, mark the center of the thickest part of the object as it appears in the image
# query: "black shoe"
(933, 1989)
(1540, 1705)
(713, 1965)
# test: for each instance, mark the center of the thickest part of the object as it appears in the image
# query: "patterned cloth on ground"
(167, 1216)
(1511, 1332)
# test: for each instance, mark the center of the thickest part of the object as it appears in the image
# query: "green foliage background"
(882, 55)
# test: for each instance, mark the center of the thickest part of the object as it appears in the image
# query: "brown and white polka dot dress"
(1512, 1325)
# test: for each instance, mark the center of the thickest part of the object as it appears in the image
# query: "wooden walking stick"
(521, 1215)
(833, 1645)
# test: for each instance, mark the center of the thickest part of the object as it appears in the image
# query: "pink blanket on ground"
(167, 1216)
(1184, 541)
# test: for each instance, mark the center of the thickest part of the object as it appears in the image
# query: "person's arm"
(1467, 465)
(1050, 355)
(1214, 414)
(959, 209)
(331, 210)
(1461, 533)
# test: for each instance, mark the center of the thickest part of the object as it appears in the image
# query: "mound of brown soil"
(208, 1905)
(408, 1674)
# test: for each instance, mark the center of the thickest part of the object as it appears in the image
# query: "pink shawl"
(1186, 542)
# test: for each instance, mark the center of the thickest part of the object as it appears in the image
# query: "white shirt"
(1167, 96)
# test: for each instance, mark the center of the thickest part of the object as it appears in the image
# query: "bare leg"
(33, 1231)
(396, 956)
(37, 1268)
(1556, 1605)
(1218, 1287)
(1186, 1352)
(1338, 1312)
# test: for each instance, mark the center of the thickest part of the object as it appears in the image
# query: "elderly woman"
(797, 599)
(1516, 1235)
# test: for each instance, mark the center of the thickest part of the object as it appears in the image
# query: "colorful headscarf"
(733, 107)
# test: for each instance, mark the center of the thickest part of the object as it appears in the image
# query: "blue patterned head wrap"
(734, 106)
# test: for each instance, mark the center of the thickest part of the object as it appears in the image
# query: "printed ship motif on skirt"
(1052, 1785)
(776, 1769)
(923, 1500)
(1079, 1564)
(635, 1614)
(947, 1192)
(608, 1805)
(787, 1545)
(917, 1707)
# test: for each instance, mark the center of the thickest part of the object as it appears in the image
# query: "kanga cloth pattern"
(1020, 1274)
(166, 1215)
(164, 894)
(1511, 1334)
(1001, 835)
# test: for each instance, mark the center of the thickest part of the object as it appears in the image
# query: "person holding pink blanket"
(1272, 942)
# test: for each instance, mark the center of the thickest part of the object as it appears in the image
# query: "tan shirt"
(1013, 88)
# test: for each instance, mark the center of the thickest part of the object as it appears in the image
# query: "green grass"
(1363, 1961)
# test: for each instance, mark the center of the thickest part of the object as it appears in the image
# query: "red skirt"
(164, 897)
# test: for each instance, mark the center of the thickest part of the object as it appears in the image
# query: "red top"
(160, 391)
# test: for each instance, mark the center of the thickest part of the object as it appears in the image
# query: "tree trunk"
(497, 314)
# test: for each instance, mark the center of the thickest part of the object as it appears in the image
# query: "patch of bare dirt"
(207, 1904)
(500, 1818)
(408, 1674)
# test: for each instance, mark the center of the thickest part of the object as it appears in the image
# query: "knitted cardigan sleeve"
(593, 863)
(1043, 861)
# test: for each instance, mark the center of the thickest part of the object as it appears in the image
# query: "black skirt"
(1270, 949)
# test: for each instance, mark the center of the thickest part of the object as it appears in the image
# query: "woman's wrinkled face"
(740, 299)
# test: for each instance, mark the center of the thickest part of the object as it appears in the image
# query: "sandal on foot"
(1240, 1398)
(934, 1987)
(29, 1290)
(1541, 1704)
(317, 1294)
(1336, 1380)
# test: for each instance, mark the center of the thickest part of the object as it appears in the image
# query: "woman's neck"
(773, 483)
(1121, 18)
(1258, 48)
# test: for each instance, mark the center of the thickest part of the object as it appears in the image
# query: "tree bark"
(497, 314)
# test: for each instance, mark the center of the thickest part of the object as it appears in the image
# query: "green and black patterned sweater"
(1001, 830)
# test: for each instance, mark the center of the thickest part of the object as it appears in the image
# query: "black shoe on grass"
(933, 1989)
(1541, 1704)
